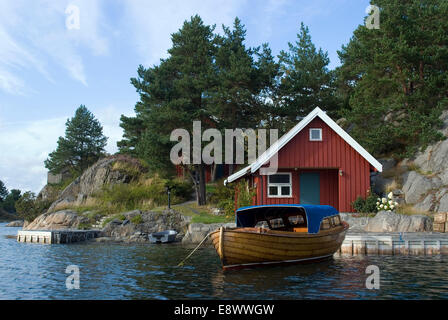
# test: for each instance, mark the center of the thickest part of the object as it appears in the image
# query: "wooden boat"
(166, 236)
(277, 234)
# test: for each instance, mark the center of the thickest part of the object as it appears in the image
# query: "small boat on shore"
(278, 234)
(166, 236)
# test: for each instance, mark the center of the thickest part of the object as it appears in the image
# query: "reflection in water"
(120, 271)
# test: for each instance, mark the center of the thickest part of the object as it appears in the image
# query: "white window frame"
(280, 185)
(311, 136)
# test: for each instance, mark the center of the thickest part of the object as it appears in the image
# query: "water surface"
(144, 271)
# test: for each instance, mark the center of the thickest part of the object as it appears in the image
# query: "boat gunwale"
(288, 234)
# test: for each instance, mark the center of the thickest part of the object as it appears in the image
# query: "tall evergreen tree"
(10, 200)
(174, 94)
(3, 191)
(82, 145)
(306, 82)
(395, 77)
(210, 78)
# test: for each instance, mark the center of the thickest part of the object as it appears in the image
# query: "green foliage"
(224, 196)
(129, 166)
(367, 205)
(306, 82)
(84, 226)
(10, 200)
(146, 194)
(28, 207)
(82, 145)
(137, 219)
(394, 78)
(3, 191)
(207, 77)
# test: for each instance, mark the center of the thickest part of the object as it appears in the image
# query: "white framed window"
(280, 185)
(315, 134)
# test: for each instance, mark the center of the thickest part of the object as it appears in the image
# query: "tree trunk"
(202, 200)
(213, 173)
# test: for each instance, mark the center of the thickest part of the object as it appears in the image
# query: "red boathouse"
(318, 163)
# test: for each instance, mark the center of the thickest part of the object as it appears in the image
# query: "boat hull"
(248, 247)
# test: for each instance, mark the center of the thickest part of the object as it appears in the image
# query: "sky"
(51, 62)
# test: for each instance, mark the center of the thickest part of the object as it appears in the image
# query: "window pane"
(316, 134)
(279, 178)
(325, 224)
(285, 191)
(336, 220)
(277, 223)
(273, 191)
(295, 220)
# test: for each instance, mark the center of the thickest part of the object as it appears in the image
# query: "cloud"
(25, 146)
(151, 23)
(28, 144)
(34, 36)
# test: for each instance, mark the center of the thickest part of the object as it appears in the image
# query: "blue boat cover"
(249, 216)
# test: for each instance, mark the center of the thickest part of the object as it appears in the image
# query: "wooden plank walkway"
(56, 236)
(406, 243)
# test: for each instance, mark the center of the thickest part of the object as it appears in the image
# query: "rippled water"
(120, 271)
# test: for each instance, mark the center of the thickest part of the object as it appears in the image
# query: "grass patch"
(409, 210)
(199, 214)
(137, 219)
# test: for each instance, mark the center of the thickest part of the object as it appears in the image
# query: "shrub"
(137, 219)
(387, 204)
(224, 196)
(367, 205)
(28, 207)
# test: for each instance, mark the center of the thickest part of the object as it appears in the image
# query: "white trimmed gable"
(275, 148)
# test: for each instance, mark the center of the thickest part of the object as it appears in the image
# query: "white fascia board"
(275, 148)
(237, 175)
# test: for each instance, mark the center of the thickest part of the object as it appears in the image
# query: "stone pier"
(56, 236)
(407, 243)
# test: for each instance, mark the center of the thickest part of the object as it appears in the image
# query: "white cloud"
(33, 36)
(152, 22)
(25, 145)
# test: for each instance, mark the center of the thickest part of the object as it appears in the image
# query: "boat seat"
(300, 229)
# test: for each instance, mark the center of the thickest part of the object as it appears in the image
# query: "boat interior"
(292, 219)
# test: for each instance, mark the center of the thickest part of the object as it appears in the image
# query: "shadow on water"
(142, 271)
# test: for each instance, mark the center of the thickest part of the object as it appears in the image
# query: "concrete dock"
(56, 236)
(406, 243)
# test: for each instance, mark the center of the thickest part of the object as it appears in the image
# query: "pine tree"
(82, 145)
(306, 82)
(395, 77)
(3, 191)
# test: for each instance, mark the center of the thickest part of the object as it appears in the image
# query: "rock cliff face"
(92, 180)
(129, 230)
(197, 231)
(65, 219)
(424, 179)
(392, 222)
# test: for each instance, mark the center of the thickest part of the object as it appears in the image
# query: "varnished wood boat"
(277, 234)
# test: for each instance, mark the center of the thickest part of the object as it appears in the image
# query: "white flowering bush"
(387, 204)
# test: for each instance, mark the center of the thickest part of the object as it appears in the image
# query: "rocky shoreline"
(135, 226)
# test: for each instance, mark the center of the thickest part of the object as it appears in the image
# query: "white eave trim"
(275, 148)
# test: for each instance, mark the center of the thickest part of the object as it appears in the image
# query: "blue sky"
(48, 70)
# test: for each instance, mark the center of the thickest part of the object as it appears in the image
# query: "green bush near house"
(224, 196)
(367, 205)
